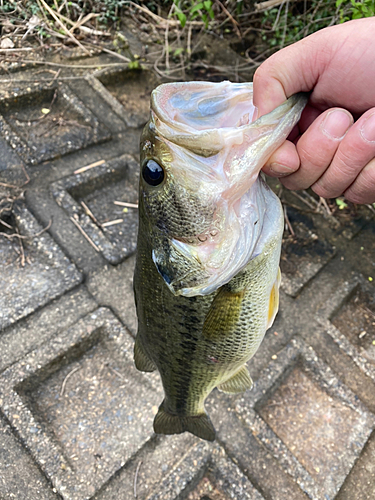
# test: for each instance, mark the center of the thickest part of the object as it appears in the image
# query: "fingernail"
(280, 170)
(336, 124)
(368, 129)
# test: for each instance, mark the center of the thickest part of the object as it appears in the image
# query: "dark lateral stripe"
(187, 350)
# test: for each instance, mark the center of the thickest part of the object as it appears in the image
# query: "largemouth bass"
(207, 272)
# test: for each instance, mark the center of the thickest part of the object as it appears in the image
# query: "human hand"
(332, 149)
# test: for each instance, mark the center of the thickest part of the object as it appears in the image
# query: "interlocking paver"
(35, 329)
(127, 91)
(223, 481)
(43, 122)
(89, 197)
(311, 423)
(80, 405)
(119, 296)
(31, 484)
(360, 484)
(46, 272)
(303, 256)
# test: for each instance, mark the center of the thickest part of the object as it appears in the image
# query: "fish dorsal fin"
(239, 382)
(223, 314)
(274, 300)
(200, 425)
(142, 360)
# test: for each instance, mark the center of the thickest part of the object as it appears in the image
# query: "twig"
(278, 16)
(285, 24)
(23, 49)
(325, 204)
(188, 43)
(11, 186)
(181, 56)
(67, 378)
(306, 202)
(92, 165)
(90, 214)
(5, 224)
(80, 22)
(112, 222)
(290, 227)
(268, 4)
(107, 51)
(22, 250)
(136, 477)
(62, 25)
(297, 207)
(231, 18)
(84, 234)
(120, 375)
(57, 74)
(126, 204)
(166, 42)
(23, 237)
(161, 20)
(79, 66)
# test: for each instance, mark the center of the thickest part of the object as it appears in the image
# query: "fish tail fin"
(200, 425)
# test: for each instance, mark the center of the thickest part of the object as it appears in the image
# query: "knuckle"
(347, 162)
(325, 191)
(313, 156)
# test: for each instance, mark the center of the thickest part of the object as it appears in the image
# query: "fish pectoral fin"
(240, 382)
(199, 425)
(274, 300)
(223, 314)
(142, 360)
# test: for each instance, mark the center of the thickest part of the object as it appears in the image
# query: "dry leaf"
(33, 22)
(6, 43)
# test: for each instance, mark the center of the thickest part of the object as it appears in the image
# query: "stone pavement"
(75, 415)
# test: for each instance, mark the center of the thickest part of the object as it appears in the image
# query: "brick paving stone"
(249, 453)
(303, 256)
(34, 330)
(182, 477)
(360, 484)
(89, 197)
(127, 91)
(309, 421)
(80, 405)
(352, 325)
(101, 109)
(11, 168)
(20, 477)
(223, 480)
(65, 126)
(113, 287)
(45, 275)
(160, 458)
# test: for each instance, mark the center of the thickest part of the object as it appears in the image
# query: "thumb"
(293, 69)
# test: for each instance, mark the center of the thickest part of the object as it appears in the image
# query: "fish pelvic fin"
(239, 382)
(200, 425)
(274, 301)
(142, 360)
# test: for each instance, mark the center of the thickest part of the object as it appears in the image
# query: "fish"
(207, 275)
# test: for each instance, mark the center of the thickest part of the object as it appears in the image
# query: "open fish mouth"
(216, 152)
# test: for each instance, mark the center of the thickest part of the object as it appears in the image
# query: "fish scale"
(204, 304)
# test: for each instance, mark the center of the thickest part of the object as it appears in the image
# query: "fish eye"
(152, 173)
